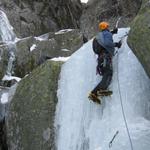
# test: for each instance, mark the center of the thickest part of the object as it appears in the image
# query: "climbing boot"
(104, 92)
(94, 98)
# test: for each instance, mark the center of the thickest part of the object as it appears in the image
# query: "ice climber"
(104, 47)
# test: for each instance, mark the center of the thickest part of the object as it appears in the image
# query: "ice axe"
(120, 18)
(111, 142)
(117, 22)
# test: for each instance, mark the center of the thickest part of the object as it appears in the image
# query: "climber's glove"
(118, 44)
(114, 31)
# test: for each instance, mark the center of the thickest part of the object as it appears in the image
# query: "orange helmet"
(103, 25)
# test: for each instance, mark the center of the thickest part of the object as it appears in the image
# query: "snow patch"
(84, 1)
(63, 31)
(33, 47)
(60, 59)
(17, 40)
(8, 78)
(43, 37)
(39, 39)
(65, 50)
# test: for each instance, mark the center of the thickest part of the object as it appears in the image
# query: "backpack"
(97, 48)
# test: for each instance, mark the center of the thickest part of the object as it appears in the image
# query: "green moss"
(139, 37)
(33, 107)
(23, 69)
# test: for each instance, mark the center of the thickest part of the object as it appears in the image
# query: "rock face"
(107, 10)
(60, 44)
(38, 17)
(32, 110)
(33, 51)
(139, 35)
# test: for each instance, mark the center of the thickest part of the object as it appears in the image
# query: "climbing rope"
(123, 113)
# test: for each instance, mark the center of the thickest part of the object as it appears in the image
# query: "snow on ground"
(84, 125)
(63, 31)
(33, 47)
(84, 1)
(42, 37)
(8, 78)
(65, 50)
(60, 58)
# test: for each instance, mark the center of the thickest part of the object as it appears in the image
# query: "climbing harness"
(110, 143)
(123, 113)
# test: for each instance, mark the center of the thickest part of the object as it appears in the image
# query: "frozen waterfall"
(83, 125)
(6, 30)
(7, 36)
(7, 39)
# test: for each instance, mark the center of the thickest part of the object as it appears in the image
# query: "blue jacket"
(105, 39)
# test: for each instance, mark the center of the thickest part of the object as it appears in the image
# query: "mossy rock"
(31, 115)
(139, 36)
(62, 44)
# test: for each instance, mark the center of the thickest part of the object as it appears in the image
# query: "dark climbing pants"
(106, 75)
